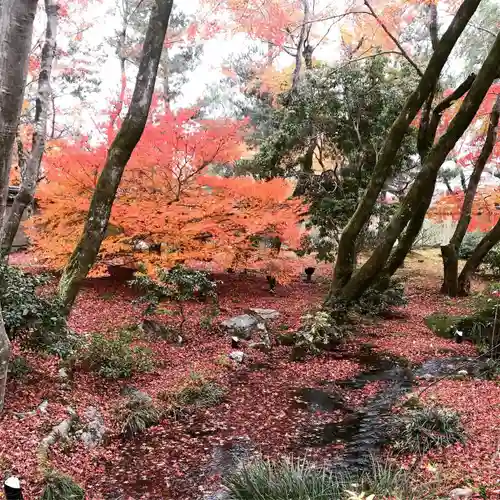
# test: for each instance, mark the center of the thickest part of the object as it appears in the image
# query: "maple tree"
(166, 201)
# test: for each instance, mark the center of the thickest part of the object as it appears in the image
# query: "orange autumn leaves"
(168, 200)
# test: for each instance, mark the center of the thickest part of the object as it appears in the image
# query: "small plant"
(136, 414)
(19, 367)
(196, 393)
(491, 369)
(113, 357)
(178, 285)
(423, 429)
(376, 301)
(59, 486)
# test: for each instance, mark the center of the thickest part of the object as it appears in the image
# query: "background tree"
(119, 153)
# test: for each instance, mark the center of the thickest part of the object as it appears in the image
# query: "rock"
(141, 246)
(287, 339)
(235, 342)
(463, 373)
(42, 407)
(243, 326)
(265, 314)
(237, 356)
(63, 374)
(461, 493)
(95, 429)
(260, 346)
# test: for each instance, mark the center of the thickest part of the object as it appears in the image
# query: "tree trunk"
(128, 136)
(449, 252)
(345, 257)
(474, 261)
(16, 29)
(29, 178)
(4, 359)
(426, 178)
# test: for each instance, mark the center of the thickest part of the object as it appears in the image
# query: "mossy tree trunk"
(87, 249)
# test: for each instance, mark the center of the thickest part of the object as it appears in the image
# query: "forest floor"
(174, 460)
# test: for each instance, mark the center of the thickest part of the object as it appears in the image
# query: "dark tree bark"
(16, 29)
(425, 178)
(449, 252)
(128, 136)
(474, 261)
(346, 252)
(30, 174)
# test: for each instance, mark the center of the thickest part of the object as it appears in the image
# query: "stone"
(461, 493)
(237, 356)
(242, 326)
(141, 246)
(260, 346)
(63, 374)
(463, 373)
(265, 314)
(95, 428)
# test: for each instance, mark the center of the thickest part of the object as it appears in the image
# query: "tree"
(349, 284)
(169, 209)
(450, 251)
(30, 166)
(16, 27)
(128, 136)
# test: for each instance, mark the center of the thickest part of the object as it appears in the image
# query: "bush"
(300, 480)
(113, 357)
(442, 325)
(59, 486)
(19, 367)
(26, 312)
(136, 414)
(423, 429)
(469, 244)
(196, 393)
(376, 301)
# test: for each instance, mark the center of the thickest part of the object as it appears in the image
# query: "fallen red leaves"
(170, 460)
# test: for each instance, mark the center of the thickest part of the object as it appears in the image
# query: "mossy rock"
(443, 325)
(287, 339)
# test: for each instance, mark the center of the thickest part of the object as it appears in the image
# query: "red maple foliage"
(168, 200)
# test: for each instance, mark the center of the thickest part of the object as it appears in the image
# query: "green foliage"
(59, 486)
(423, 429)
(376, 301)
(469, 244)
(338, 117)
(296, 479)
(196, 393)
(19, 367)
(113, 356)
(491, 369)
(25, 312)
(442, 324)
(136, 414)
(317, 331)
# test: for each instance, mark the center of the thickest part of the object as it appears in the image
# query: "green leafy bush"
(19, 367)
(376, 301)
(298, 479)
(113, 356)
(136, 414)
(59, 486)
(423, 429)
(178, 285)
(441, 324)
(469, 244)
(25, 312)
(196, 393)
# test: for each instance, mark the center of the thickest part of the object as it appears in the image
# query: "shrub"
(196, 393)
(26, 312)
(442, 324)
(469, 244)
(179, 285)
(376, 301)
(136, 414)
(492, 261)
(297, 479)
(59, 486)
(19, 367)
(113, 357)
(423, 429)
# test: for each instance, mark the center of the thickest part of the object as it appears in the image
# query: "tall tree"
(119, 153)
(30, 166)
(16, 28)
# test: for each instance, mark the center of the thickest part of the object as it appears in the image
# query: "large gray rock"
(461, 493)
(244, 326)
(95, 429)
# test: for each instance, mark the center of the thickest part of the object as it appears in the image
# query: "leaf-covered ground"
(172, 460)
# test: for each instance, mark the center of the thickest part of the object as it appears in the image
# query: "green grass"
(137, 414)
(59, 486)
